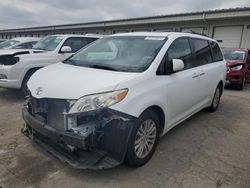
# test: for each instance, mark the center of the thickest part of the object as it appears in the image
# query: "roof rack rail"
(194, 32)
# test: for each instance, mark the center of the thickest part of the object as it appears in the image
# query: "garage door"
(248, 38)
(229, 37)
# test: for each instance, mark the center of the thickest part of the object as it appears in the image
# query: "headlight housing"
(98, 101)
(238, 67)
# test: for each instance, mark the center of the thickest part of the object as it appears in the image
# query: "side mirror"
(66, 49)
(177, 65)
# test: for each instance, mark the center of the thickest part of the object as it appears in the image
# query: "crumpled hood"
(231, 63)
(64, 81)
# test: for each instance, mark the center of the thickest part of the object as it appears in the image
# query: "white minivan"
(111, 101)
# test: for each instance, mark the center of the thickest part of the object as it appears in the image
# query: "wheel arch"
(159, 111)
(29, 72)
(221, 85)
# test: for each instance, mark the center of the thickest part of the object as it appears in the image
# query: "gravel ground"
(207, 150)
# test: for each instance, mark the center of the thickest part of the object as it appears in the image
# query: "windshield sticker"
(59, 38)
(154, 38)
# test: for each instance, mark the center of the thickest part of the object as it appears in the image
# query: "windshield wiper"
(103, 67)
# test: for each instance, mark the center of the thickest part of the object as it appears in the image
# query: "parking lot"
(207, 150)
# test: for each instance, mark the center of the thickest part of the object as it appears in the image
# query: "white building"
(229, 26)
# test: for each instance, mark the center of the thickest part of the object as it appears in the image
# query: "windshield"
(48, 43)
(126, 53)
(8, 43)
(234, 55)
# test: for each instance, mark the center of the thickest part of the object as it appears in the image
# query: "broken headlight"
(238, 67)
(98, 101)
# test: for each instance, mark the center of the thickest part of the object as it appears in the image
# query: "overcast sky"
(30, 13)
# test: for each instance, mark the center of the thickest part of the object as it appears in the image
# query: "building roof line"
(109, 22)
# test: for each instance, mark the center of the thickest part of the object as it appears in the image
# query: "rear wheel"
(144, 139)
(216, 100)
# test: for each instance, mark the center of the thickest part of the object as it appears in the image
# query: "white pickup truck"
(16, 66)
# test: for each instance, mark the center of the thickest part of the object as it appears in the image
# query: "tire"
(216, 99)
(148, 124)
(241, 86)
(26, 78)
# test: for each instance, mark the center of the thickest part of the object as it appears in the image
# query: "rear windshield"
(234, 55)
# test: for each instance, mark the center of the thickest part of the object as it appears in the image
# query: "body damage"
(236, 76)
(11, 57)
(91, 140)
(89, 116)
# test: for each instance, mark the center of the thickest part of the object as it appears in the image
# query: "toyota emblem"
(39, 91)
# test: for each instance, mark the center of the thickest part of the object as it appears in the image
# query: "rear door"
(208, 68)
(208, 71)
(182, 87)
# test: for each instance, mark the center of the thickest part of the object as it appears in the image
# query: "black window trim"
(194, 54)
(214, 61)
(60, 52)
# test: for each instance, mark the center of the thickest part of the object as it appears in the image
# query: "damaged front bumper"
(103, 147)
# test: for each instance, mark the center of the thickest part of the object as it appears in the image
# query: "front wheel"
(144, 139)
(216, 100)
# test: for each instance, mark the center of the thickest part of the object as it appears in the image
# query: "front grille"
(50, 111)
(55, 114)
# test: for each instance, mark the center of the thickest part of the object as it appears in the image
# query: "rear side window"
(202, 52)
(217, 55)
(180, 49)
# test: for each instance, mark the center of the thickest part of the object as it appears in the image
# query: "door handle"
(202, 73)
(195, 75)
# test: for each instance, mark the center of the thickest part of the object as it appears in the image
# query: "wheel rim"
(216, 97)
(145, 138)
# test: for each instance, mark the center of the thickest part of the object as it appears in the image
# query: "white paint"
(179, 95)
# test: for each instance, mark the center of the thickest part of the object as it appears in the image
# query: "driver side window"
(180, 49)
(76, 43)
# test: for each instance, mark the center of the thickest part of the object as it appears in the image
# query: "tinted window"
(202, 52)
(77, 43)
(90, 40)
(217, 55)
(180, 49)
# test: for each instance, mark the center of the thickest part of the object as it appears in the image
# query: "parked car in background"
(16, 67)
(2, 40)
(19, 43)
(112, 100)
(238, 67)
